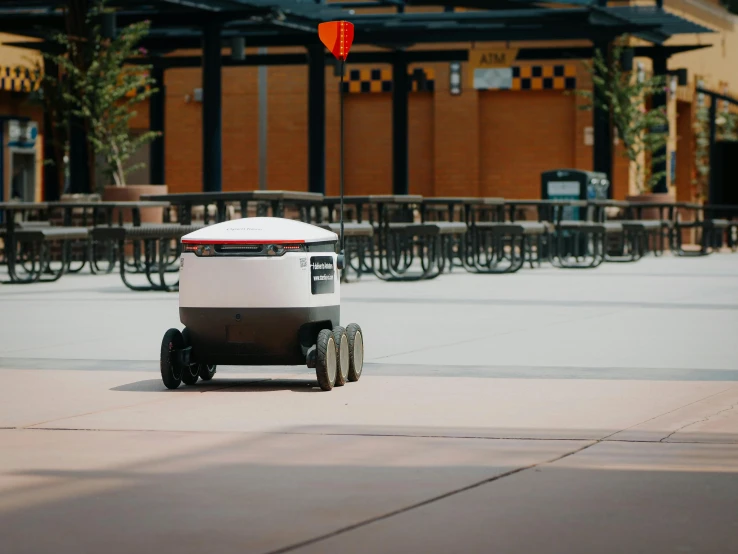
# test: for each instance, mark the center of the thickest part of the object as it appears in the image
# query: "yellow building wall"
(13, 57)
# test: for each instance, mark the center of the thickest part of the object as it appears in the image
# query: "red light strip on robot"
(202, 242)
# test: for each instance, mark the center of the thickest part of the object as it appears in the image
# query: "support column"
(659, 101)
(263, 86)
(53, 172)
(316, 119)
(79, 157)
(212, 125)
(602, 150)
(157, 109)
(400, 96)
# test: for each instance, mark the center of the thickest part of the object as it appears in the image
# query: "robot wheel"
(194, 371)
(169, 359)
(339, 356)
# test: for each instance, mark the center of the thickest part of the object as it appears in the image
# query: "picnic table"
(379, 210)
(452, 206)
(276, 200)
(40, 234)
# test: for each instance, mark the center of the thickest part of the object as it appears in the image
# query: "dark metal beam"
(400, 94)
(157, 110)
(212, 155)
(602, 149)
(413, 56)
(316, 120)
(53, 172)
(723, 97)
(79, 158)
(660, 68)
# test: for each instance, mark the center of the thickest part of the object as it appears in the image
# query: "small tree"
(105, 91)
(625, 97)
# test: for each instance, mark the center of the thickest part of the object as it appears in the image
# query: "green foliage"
(103, 91)
(624, 96)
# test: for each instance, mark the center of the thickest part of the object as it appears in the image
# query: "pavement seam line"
(441, 437)
(428, 501)
(707, 418)
(669, 412)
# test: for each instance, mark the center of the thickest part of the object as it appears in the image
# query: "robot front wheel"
(192, 372)
(169, 364)
(173, 370)
(339, 356)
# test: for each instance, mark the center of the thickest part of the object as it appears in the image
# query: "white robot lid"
(260, 230)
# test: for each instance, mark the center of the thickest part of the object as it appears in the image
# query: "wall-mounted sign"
(454, 78)
(491, 68)
(589, 136)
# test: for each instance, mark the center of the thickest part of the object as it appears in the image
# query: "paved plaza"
(548, 411)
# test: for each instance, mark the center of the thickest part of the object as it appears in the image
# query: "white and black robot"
(261, 291)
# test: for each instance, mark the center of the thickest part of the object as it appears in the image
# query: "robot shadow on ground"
(226, 385)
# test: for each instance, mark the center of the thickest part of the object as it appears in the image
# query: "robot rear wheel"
(342, 355)
(356, 351)
(326, 361)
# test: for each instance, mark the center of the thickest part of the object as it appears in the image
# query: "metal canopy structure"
(178, 24)
(211, 25)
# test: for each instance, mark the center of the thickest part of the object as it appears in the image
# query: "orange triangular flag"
(338, 36)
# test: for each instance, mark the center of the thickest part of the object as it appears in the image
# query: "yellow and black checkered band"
(542, 77)
(17, 79)
(380, 80)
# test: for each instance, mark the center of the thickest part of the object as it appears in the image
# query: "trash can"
(573, 184)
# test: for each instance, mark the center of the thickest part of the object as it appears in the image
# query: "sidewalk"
(548, 411)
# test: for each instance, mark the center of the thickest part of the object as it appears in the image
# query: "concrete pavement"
(546, 411)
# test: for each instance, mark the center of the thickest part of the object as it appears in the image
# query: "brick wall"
(456, 148)
(494, 143)
(523, 134)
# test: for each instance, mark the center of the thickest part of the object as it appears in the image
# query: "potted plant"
(643, 130)
(103, 91)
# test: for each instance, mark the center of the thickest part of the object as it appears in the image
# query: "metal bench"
(577, 244)
(713, 232)
(154, 242)
(630, 238)
(32, 251)
(504, 246)
(400, 245)
(357, 237)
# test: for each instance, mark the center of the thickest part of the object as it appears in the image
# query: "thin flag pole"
(340, 101)
(338, 36)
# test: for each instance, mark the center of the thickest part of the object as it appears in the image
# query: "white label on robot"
(322, 275)
(303, 263)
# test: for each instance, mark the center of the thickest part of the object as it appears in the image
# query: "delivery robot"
(261, 291)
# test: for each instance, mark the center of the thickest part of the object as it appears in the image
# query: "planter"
(688, 235)
(651, 198)
(133, 193)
